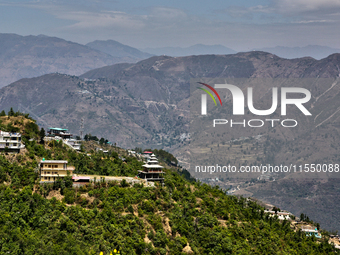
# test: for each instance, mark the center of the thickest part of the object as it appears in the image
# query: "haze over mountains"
(197, 49)
(117, 49)
(314, 51)
(31, 56)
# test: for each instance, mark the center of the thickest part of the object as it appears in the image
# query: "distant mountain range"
(117, 49)
(314, 51)
(31, 56)
(197, 49)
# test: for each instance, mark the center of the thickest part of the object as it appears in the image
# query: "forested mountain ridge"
(178, 218)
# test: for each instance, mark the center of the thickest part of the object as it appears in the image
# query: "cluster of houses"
(11, 141)
(308, 230)
(51, 170)
(280, 215)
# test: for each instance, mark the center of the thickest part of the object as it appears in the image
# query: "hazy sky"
(238, 24)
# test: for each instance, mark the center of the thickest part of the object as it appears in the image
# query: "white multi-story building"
(12, 141)
(152, 171)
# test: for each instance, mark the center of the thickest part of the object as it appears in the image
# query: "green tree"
(68, 180)
(11, 112)
(302, 217)
(101, 141)
(42, 134)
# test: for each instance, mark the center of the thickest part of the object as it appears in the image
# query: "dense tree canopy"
(58, 218)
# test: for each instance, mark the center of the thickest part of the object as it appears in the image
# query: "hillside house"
(61, 132)
(11, 141)
(152, 171)
(75, 144)
(310, 231)
(280, 215)
(65, 136)
(51, 170)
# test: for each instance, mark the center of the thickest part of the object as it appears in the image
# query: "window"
(56, 166)
(49, 166)
(48, 172)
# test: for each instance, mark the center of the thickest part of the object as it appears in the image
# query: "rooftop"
(152, 161)
(81, 177)
(159, 172)
(59, 129)
(54, 161)
(311, 230)
(9, 133)
(152, 166)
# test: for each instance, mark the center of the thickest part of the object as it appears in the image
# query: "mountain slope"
(153, 94)
(31, 56)
(151, 97)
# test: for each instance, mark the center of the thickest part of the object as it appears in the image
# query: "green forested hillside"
(177, 218)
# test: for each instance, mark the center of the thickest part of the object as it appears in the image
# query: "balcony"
(10, 145)
(53, 175)
(69, 168)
